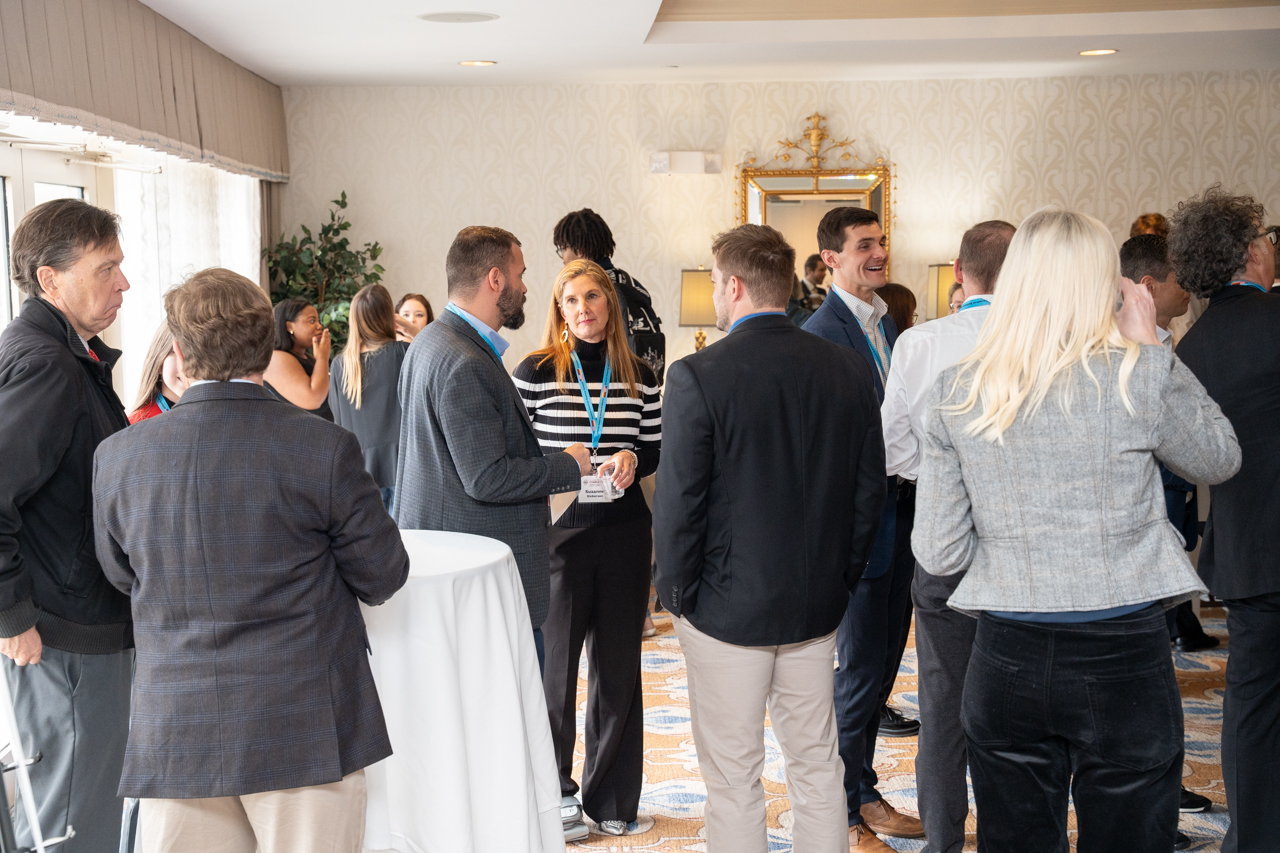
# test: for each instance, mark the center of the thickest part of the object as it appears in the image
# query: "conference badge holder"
(595, 488)
(598, 490)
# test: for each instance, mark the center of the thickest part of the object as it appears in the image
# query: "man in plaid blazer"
(247, 532)
(469, 459)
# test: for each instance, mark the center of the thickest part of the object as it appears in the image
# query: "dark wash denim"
(1092, 709)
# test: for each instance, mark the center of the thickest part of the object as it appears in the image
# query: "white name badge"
(598, 490)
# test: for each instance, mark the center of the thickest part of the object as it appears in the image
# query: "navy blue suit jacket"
(835, 322)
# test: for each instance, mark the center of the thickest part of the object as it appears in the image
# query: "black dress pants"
(944, 640)
(1251, 725)
(1089, 708)
(904, 571)
(599, 594)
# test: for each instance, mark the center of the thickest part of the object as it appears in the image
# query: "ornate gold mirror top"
(793, 199)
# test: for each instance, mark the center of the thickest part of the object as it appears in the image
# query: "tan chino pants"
(316, 819)
(729, 689)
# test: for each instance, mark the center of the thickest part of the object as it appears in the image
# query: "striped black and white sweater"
(630, 422)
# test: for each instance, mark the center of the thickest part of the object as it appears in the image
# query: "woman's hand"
(321, 346)
(622, 467)
(1137, 317)
(405, 331)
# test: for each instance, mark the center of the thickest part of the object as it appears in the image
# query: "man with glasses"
(1220, 250)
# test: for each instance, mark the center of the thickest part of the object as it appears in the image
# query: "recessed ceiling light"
(458, 17)
(1105, 51)
(477, 63)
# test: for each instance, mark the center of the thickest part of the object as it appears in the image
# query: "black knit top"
(630, 422)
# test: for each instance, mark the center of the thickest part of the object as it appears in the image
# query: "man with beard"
(469, 459)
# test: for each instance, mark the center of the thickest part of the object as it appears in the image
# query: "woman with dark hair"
(363, 392)
(414, 309)
(600, 551)
(299, 369)
(584, 235)
(902, 304)
(162, 383)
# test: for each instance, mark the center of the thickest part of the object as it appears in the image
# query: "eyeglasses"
(560, 252)
(1272, 234)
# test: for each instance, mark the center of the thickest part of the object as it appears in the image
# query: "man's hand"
(1137, 317)
(24, 648)
(583, 456)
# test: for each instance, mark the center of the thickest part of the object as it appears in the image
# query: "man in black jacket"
(65, 632)
(1221, 248)
(768, 499)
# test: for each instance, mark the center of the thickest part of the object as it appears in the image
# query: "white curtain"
(185, 219)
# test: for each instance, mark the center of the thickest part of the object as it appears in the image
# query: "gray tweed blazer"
(1068, 512)
(247, 531)
(469, 459)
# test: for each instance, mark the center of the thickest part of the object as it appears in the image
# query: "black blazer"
(1234, 350)
(771, 484)
(248, 533)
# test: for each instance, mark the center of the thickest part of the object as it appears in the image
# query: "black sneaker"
(1193, 802)
(1196, 644)
(893, 724)
(1181, 842)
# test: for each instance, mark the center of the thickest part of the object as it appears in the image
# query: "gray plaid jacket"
(247, 532)
(1067, 512)
(469, 459)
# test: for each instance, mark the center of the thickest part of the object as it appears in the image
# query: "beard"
(511, 307)
(722, 312)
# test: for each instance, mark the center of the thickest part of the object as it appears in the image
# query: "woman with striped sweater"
(585, 385)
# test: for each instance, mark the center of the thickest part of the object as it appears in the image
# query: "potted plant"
(324, 269)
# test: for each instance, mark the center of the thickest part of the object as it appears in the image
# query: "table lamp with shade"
(937, 300)
(696, 307)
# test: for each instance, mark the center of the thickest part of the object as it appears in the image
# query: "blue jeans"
(1088, 709)
(388, 497)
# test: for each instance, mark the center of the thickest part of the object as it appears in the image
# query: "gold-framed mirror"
(793, 199)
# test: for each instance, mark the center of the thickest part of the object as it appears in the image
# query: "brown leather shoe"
(885, 820)
(864, 840)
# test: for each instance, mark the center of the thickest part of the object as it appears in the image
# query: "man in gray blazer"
(247, 532)
(469, 459)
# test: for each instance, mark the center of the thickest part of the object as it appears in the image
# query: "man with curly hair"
(1221, 249)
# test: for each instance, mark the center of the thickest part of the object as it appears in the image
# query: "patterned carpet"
(671, 806)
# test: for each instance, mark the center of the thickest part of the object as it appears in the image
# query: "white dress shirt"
(921, 353)
(870, 316)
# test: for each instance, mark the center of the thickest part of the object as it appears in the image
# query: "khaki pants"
(729, 689)
(316, 819)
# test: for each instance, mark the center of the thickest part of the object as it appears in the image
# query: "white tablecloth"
(474, 770)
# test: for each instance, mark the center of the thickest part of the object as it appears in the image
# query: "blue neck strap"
(1242, 283)
(974, 302)
(595, 416)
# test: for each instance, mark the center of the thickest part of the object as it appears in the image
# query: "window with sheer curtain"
(186, 218)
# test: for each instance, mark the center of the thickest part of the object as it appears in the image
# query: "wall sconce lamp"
(696, 307)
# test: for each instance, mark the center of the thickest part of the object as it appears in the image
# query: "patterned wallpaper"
(418, 164)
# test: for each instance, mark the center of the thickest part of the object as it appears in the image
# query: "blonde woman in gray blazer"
(1039, 482)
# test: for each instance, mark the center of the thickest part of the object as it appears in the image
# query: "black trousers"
(599, 594)
(904, 563)
(944, 640)
(1251, 725)
(1182, 622)
(1089, 708)
(868, 647)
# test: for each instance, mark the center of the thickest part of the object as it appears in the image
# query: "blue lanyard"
(457, 311)
(597, 416)
(162, 403)
(974, 302)
(884, 371)
(1252, 284)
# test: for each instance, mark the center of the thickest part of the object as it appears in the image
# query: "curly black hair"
(1209, 238)
(586, 233)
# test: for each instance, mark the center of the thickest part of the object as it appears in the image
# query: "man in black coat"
(768, 499)
(248, 532)
(1221, 249)
(66, 634)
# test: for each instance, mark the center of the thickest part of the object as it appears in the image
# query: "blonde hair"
(153, 368)
(372, 325)
(557, 346)
(1057, 309)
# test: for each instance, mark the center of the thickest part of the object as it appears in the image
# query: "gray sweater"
(1067, 513)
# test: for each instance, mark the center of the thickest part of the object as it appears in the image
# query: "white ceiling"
(381, 42)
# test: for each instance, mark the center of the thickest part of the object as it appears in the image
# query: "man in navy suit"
(854, 249)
